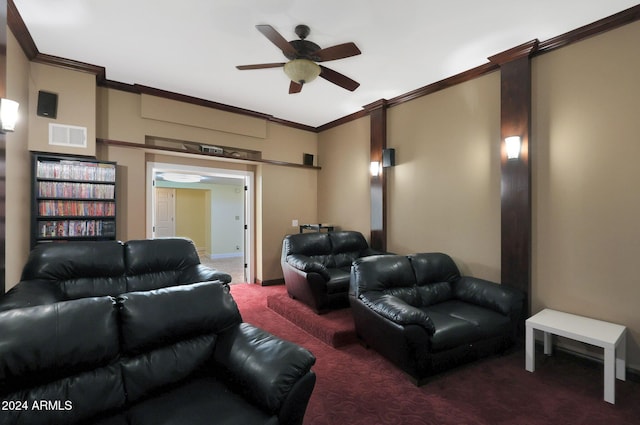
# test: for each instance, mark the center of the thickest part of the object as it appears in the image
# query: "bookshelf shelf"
(73, 198)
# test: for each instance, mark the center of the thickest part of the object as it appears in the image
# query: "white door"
(165, 211)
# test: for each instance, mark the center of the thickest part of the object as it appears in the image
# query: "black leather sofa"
(422, 315)
(65, 271)
(175, 355)
(316, 267)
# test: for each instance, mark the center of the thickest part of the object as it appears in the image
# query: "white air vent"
(67, 135)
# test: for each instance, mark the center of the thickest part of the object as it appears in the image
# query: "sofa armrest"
(261, 366)
(501, 298)
(307, 265)
(30, 293)
(398, 311)
(202, 273)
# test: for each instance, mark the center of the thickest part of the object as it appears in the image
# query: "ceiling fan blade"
(277, 39)
(338, 79)
(295, 87)
(261, 66)
(339, 51)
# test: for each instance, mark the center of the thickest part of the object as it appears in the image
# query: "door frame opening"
(154, 168)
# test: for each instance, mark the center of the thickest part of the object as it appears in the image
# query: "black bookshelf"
(73, 198)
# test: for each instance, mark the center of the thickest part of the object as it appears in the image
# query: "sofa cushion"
(175, 326)
(387, 274)
(450, 331)
(309, 244)
(164, 316)
(64, 352)
(80, 269)
(346, 247)
(157, 263)
(199, 401)
(338, 280)
(487, 322)
(435, 293)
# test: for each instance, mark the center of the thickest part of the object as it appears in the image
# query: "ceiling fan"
(303, 55)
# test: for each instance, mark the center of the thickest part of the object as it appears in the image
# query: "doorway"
(211, 206)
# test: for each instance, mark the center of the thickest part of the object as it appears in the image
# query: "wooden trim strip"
(132, 145)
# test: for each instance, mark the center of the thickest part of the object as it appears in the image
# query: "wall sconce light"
(388, 157)
(375, 168)
(8, 114)
(512, 145)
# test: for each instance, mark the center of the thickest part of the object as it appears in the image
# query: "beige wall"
(444, 192)
(586, 110)
(76, 106)
(283, 193)
(343, 182)
(18, 172)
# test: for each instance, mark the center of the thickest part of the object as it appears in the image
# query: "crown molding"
(532, 48)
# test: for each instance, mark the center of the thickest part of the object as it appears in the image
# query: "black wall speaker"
(47, 104)
(307, 159)
(388, 157)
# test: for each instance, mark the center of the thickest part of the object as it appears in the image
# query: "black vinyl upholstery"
(316, 266)
(71, 270)
(421, 314)
(174, 355)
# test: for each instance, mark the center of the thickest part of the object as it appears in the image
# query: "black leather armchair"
(421, 314)
(316, 267)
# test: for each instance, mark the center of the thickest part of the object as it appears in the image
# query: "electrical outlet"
(294, 223)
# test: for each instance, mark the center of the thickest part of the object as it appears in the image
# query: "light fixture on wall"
(388, 157)
(512, 145)
(181, 178)
(302, 71)
(8, 114)
(375, 168)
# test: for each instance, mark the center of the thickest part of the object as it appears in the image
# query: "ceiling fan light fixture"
(302, 71)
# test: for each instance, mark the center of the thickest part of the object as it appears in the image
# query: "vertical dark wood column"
(515, 120)
(3, 163)
(378, 115)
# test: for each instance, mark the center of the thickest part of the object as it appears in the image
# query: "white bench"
(609, 336)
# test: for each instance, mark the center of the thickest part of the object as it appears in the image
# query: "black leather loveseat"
(175, 355)
(65, 271)
(316, 266)
(421, 314)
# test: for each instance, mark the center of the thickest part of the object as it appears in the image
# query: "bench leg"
(621, 359)
(609, 375)
(548, 346)
(530, 353)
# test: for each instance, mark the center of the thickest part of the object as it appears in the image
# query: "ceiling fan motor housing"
(304, 49)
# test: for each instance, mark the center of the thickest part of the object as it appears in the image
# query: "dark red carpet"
(357, 386)
(335, 328)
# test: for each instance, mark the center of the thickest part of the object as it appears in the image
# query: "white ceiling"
(191, 47)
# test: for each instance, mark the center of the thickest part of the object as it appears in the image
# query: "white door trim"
(248, 176)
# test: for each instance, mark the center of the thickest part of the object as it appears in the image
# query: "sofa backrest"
(332, 249)
(86, 269)
(435, 274)
(63, 355)
(346, 246)
(171, 326)
(157, 263)
(80, 269)
(384, 274)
